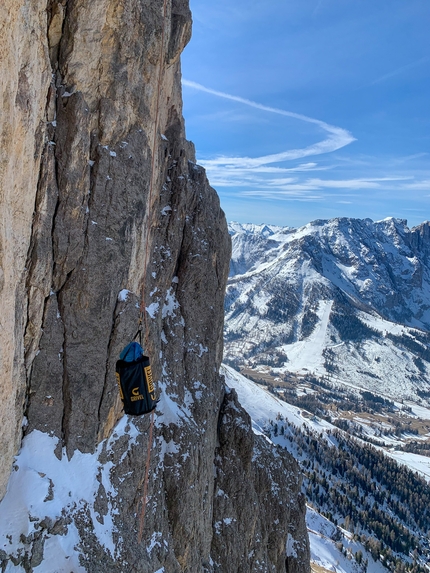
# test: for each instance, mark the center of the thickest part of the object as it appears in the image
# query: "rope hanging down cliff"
(146, 264)
(133, 370)
(132, 354)
(142, 313)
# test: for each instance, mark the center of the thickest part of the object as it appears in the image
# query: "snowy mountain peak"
(250, 228)
(354, 289)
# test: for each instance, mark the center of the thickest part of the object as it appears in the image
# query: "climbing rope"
(143, 321)
(145, 484)
(142, 313)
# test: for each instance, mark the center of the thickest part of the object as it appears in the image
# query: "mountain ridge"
(331, 286)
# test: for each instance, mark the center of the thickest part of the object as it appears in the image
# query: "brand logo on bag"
(135, 395)
(149, 381)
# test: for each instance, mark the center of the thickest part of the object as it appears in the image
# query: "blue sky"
(311, 109)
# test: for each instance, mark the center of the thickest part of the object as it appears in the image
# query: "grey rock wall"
(118, 216)
(257, 503)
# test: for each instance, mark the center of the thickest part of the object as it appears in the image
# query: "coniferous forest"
(385, 505)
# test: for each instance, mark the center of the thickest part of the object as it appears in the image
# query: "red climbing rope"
(142, 313)
(145, 484)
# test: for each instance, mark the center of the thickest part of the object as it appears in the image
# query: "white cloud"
(255, 172)
(412, 157)
(295, 193)
(294, 188)
(337, 136)
(361, 183)
(260, 178)
(266, 169)
(256, 176)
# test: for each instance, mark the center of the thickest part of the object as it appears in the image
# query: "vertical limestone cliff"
(104, 210)
(24, 80)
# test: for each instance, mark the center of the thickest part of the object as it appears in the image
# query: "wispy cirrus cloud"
(337, 137)
(257, 176)
(260, 177)
(423, 185)
(399, 71)
(297, 189)
(260, 173)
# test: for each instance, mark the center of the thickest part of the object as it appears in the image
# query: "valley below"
(327, 344)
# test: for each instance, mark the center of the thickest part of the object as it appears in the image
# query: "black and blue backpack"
(134, 378)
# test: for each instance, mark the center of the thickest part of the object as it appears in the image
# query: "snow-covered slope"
(46, 492)
(337, 556)
(345, 298)
(333, 548)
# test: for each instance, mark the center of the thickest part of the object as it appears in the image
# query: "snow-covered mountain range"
(344, 299)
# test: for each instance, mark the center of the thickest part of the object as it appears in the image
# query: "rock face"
(251, 523)
(105, 214)
(24, 77)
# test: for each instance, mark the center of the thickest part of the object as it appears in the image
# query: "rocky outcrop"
(419, 241)
(105, 215)
(251, 523)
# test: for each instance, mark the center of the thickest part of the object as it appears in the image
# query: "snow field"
(43, 487)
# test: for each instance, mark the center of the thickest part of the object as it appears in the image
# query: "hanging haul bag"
(134, 377)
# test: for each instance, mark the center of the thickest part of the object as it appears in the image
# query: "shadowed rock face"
(105, 199)
(252, 522)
